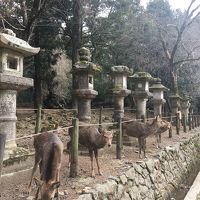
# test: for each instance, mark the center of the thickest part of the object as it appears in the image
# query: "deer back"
(49, 148)
(133, 128)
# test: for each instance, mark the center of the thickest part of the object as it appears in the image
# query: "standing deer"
(48, 154)
(165, 125)
(141, 131)
(94, 140)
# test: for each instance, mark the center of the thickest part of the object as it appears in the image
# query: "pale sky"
(182, 4)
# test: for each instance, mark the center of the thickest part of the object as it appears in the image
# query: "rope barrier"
(33, 109)
(64, 109)
(68, 127)
(84, 125)
(36, 134)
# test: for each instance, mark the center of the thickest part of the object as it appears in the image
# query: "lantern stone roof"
(9, 40)
(120, 69)
(158, 86)
(186, 97)
(82, 66)
(85, 64)
(143, 76)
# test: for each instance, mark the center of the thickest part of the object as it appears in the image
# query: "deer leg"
(37, 193)
(140, 146)
(157, 141)
(69, 163)
(92, 164)
(97, 161)
(57, 179)
(144, 146)
(37, 160)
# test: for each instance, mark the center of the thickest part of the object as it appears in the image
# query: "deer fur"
(94, 140)
(141, 131)
(48, 154)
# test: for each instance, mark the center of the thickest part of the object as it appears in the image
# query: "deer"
(93, 139)
(164, 127)
(48, 155)
(141, 131)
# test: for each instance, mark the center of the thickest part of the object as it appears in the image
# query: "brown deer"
(48, 154)
(165, 125)
(94, 140)
(141, 131)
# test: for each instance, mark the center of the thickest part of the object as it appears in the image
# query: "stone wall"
(155, 178)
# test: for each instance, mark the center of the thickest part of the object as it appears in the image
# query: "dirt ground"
(14, 185)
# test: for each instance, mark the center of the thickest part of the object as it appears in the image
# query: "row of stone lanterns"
(84, 71)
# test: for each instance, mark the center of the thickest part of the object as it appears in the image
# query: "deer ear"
(55, 185)
(38, 182)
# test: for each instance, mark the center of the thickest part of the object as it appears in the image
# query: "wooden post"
(177, 124)
(170, 130)
(119, 145)
(144, 119)
(195, 121)
(147, 114)
(190, 121)
(74, 149)
(38, 119)
(2, 148)
(184, 124)
(100, 119)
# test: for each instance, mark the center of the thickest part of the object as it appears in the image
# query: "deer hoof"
(93, 175)
(100, 173)
(28, 191)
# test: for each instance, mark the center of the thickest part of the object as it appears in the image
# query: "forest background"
(155, 39)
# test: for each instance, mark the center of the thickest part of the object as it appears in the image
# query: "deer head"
(165, 125)
(47, 189)
(108, 135)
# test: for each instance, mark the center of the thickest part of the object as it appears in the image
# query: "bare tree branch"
(186, 60)
(15, 28)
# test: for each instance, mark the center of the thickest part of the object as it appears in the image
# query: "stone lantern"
(185, 105)
(12, 52)
(119, 78)
(83, 72)
(158, 96)
(174, 103)
(140, 91)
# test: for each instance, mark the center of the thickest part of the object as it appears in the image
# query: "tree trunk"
(76, 40)
(174, 82)
(76, 30)
(37, 86)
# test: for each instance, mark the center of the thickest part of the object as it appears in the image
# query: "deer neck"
(152, 128)
(100, 141)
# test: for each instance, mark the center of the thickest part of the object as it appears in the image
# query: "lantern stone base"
(15, 155)
(84, 97)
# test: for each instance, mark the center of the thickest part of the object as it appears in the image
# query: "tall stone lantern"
(140, 91)
(185, 106)
(119, 79)
(158, 96)
(83, 72)
(12, 52)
